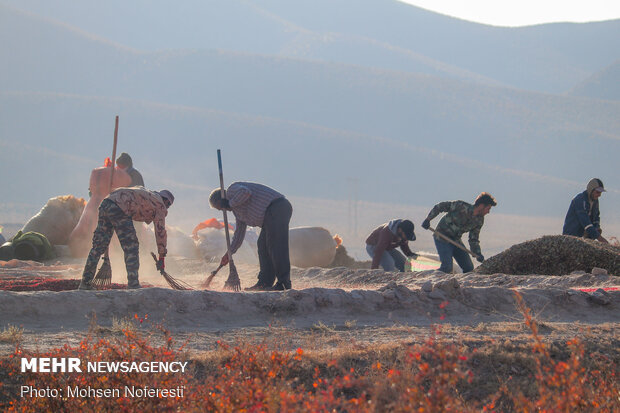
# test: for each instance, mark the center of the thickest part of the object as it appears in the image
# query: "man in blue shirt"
(583, 218)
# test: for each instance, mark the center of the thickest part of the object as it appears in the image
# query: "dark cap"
(407, 227)
(164, 193)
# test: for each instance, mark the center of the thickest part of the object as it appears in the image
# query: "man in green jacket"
(461, 217)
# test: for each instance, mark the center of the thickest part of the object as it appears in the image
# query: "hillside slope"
(375, 33)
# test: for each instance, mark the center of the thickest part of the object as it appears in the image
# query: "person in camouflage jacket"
(460, 218)
(116, 214)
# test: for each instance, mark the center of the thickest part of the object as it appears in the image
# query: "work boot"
(133, 283)
(84, 285)
(281, 286)
(258, 287)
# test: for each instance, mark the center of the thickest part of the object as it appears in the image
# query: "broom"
(207, 282)
(103, 278)
(172, 282)
(232, 283)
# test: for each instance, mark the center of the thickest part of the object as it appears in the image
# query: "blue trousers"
(390, 260)
(448, 251)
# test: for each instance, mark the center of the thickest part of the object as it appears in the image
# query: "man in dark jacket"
(583, 218)
(126, 163)
(461, 217)
(382, 242)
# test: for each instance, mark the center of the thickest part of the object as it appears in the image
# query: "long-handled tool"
(233, 282)
(207, 282)
(103, 278)
(172, 282)
(456, 244)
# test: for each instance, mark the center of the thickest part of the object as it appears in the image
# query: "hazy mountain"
(377, 33)
(551, 57)
(603, 85)
(56, 139)
(309, 127)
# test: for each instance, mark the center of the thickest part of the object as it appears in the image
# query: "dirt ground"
(327, 309)
(355, 317)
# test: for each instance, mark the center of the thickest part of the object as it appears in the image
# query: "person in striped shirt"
(258, 205)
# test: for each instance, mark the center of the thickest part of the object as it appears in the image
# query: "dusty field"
(327, 308)
(358, 319)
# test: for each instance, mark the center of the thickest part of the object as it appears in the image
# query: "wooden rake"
(103, 277)
(233, 282)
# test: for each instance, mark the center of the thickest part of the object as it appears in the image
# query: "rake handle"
(107, 251)
(114, 151)
(223, 192)
(154, 257)
(456, 244)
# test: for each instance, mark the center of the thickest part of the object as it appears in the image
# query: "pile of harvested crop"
(554, 255)
(342, 259)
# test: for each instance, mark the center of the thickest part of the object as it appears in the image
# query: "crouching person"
(382, 242)
(584, 217)
(117, 213)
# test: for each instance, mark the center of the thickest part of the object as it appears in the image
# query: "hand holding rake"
(172, 282)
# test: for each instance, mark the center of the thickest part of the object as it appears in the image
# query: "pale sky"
(523, 12)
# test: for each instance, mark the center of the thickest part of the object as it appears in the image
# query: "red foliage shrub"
(45, 283)
(256, 378)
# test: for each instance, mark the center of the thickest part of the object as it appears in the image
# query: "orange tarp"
(209, 223)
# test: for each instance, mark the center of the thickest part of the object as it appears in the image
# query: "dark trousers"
(273, 255)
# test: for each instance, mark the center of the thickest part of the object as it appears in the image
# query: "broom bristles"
(207, 283)
(233, 283)
(173, 282)
(103, 277)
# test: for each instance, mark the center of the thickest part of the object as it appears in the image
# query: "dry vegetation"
(436, 373)
(11, 334)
